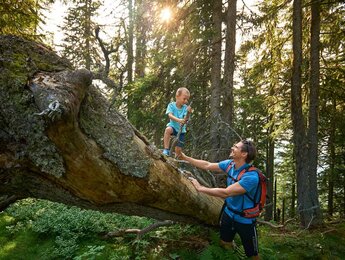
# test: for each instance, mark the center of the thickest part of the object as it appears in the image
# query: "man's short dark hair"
(249, 147)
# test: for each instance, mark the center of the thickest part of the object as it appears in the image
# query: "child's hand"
(189, 108)
(182, 121)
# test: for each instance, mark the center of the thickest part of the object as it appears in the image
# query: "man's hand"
(182, 156)
(196, 184)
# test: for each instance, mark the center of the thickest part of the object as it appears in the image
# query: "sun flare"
(166, 15)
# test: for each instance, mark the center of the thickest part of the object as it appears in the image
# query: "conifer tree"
(332, 107)
(22, 18)
(79, 44)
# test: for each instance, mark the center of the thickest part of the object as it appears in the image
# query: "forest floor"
(37, 229)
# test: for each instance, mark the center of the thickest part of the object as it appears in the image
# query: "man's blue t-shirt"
(249, 181)
(177, 112)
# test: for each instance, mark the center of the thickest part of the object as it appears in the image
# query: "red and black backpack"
(259, 199)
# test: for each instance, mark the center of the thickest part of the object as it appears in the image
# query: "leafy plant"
(69, 225)
(91, 253)
(41, 229)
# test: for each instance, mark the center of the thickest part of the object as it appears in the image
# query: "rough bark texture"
(314, 94)
(299, 136)
(216, 79)
(332, 160)
(305, 153)
(59, 141)
(228, 86)
(270, 174)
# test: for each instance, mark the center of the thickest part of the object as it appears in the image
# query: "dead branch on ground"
(139, 232)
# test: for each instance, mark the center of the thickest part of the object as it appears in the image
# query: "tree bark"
(130, 58)
(60, 141)
(141, 28)
(314, 111)
(269, 173)
(275, 212)
(215, 79)
(88, 34)
(229, 63)
(228, 89)
(299, 135)
(331, 147)
(293, 198)
(305, 142)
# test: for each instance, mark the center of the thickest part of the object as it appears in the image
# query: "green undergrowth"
(327, 242)
(38, 229)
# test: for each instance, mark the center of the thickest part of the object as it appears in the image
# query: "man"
(236, 195)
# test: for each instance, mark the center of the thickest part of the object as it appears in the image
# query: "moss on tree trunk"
(59, 141)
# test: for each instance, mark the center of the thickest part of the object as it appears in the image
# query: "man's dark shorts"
(180, 142)
(247, 232)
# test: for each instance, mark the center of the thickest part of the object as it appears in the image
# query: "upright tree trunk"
(343, 202)
(314, 111)
(293, 198)
(228, 86)
(283, 210)
(306, 153)
(140, 29)
(130, 58)
(299, 136)
(275, 201)
(331, 148)
(269, 173)
(216, 79)
(88, 33)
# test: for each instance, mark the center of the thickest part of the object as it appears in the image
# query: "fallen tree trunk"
(60, 141)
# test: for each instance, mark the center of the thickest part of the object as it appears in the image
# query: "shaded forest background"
(272, 71)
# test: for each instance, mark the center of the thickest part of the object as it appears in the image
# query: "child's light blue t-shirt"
(179, 113)
(249, 182)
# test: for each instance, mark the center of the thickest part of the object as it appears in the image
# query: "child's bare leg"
(166, 139)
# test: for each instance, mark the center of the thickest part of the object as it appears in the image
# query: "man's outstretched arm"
(205, 165)
(232, 190)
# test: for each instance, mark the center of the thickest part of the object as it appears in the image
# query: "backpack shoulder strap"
(251, 168)
(229, 167)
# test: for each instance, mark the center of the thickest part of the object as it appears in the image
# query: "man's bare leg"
(228, 245)
(232, 245)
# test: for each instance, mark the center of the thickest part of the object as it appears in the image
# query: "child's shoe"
(166, 152)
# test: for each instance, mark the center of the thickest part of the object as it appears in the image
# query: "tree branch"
(104, 75)
(139, 232)
(273, 225)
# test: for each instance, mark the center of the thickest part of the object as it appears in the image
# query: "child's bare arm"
(178, 120)
(190, 110)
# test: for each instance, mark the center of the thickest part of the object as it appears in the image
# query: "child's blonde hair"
(179, 91)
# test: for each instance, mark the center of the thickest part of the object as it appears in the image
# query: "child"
(177, 112)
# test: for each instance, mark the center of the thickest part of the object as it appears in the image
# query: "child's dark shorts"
(180, 142)
(247, 232)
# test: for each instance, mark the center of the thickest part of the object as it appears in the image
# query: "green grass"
(327, 242)
(25, 244)
(36, 229)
